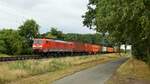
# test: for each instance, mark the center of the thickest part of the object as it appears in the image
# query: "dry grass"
(46, 68)
(131, 72)
(135, 68)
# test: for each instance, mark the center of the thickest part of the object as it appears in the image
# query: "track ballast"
(21, 57)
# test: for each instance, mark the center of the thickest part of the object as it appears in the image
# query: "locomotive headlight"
(33, 46)
(39, 46)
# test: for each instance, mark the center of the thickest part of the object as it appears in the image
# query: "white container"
(104, 49)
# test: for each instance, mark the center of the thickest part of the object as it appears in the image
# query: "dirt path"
(95, 75)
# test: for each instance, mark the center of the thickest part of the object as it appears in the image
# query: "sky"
(63, 14)
(128, 47)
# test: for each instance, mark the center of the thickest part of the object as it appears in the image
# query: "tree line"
(95, 38)
(126, 21)
(19, 41)
(16, 42)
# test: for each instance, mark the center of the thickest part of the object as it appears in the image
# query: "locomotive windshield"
(37, 41)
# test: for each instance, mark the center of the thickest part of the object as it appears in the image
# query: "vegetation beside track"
(132, 72)
(35, 69)
(4, 55)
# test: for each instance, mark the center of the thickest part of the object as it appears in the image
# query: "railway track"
(24, 57)
(29, 57)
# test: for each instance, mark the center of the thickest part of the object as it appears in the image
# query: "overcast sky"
(64, 14)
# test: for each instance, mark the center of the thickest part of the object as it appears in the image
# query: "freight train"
(50, 46)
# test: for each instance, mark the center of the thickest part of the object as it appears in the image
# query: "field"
(131, 72)
(16, 72)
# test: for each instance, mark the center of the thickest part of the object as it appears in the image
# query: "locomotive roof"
(56, 40)
(60, 41)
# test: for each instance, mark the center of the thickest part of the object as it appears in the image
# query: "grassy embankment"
(47, 70)
(131, 72)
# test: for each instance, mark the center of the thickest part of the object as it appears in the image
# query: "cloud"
(24, 4)
(64, 14)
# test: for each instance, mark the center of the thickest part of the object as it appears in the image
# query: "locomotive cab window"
(37, 41)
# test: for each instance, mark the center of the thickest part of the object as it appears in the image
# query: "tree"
(29, 30)
(2, 46)
(84, 38)
(11, 42)
(55, 34)
(127, 21)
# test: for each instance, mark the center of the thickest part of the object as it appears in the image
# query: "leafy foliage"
(55, 34)
(127, 21)
(11, 42)
(19, 41)
(87, 38)
(29, 30)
